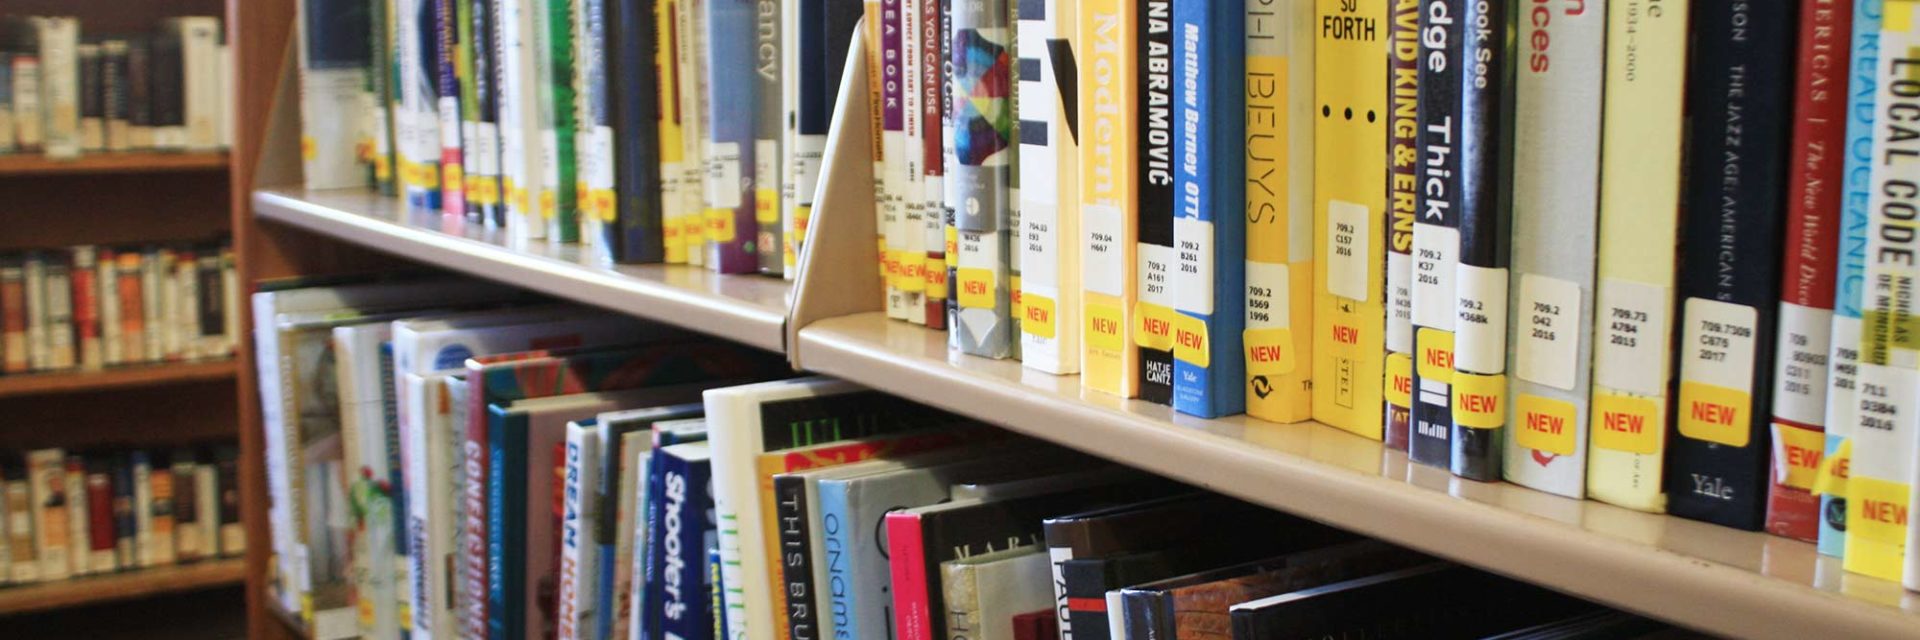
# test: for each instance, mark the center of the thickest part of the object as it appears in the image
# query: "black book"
(841, 18)
(1435, 601)
(790, 506)
(637, 228)
(486, 201)
(1436, 244)
(1483, 201)
(93, 97)
(139, 89)
(1158, 609)
(381, 171)
(113, 90)
(233, 536)
(1740, 99)
(1153, 334)
(166, 91)
(123, 520)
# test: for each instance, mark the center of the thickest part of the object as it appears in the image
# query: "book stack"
(460, 480)
(66, 514)
(65, 92)
(88, 307)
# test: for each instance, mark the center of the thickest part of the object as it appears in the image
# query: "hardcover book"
(1211, 94)
(768, 124)
(1109, 197)
(670, 132)
(1195, 606)
(1808, 272)
(1437, 600)
(1730, 269)
(416, 110)
(1349, 195)
(984, 592)
(522, 172)
(1436, 231)
(554, 102)
(1278, 334)
(732, 193)
(447, 81)
(594, 136)
(1049, 231)
(1640, 148)
(1155, 263)
(940, 75)
(1843, 392)
(646, 154)
(983, 147)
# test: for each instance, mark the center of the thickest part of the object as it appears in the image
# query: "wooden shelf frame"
(129, 585)
(120, 377)
(18, 165)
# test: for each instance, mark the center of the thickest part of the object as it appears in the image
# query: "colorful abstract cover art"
(983, 129)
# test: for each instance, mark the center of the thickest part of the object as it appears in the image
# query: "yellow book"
(1349, 213)
(1109, 181)
(1278, 339)
(1639, 217)
(671, 157)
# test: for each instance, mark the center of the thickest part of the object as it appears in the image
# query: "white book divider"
(837, 275)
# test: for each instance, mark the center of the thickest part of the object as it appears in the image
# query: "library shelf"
(33, 164)
(750, 309)
(118, 377)
(1706, 577)
(129, 585)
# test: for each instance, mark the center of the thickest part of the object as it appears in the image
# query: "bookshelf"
(113, 163)
(145, 375)
(99, 589)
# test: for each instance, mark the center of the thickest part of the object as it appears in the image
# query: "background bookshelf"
(103, 199)
(1709, 578)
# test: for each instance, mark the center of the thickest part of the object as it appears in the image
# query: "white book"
(579, 552)
(61, 353)
(416, 115)
(80, 543)
(200, 79)
(144, 552)
(984, 592)
(519, 120)
(153, 301)
(333, 75)
(107, 278)
(23, 567)
(1048, 239)
(206, 484)
(59, 40)
(362, 375)
(52, 527)
(432, 471)
(35, 272)
(629, 503)
(1556, 204)
(636, 607)
(911, 189)
(28, 117)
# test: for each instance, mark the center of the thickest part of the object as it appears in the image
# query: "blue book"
(1850, 283)
(833, 508)
(504, 505)
(731, 68)
(680, 532)
(1209, 234)
(613, 430)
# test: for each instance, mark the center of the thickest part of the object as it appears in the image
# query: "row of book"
(459, 480)
(64, 94)
(70, 514)
(607, 122)
(88, 307)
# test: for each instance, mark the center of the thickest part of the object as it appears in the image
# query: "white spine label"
(1193, 277)
(1547, 340)
(1103, 259)
(1156, 277)
(1630, 348)
(723, 173)
(1800, 364)
(1842, 393)
(1481, 312)
(1399, 302)
(1718, 345)
(1268, 293)
(1435, 263)
(1347, 264)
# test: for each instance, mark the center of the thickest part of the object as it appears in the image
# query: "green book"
(553, 73)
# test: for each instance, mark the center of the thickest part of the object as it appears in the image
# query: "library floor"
(215, 614)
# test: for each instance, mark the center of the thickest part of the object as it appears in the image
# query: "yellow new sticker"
(1436, 354)
(1479, 401)
(1017, 297)
(1190, 340)
(936, 277)
(1876, 527)
(308, 150)
(1270, 352)
(603, 204)
(1797, 453)
(1153, 326)
(694, 231)
(1626, 423)
(720, 225)
(1545, 424)
(382, 168)
(1105, 327)
(913, 277)
(953, 244)
(1399, 389)
(976, 288)
(1038, 317)
(1715, 413)
(1834, 470)
(453, 179)
(766, 206)
(884, 274)
(548, 206)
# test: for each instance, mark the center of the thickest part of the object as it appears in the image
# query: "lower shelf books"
(68, 514)
(88, 306)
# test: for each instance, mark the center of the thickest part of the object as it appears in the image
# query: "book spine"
(169, 91)
(559, 202)
(938, 79)
(769, 117)
(1879, 488)
(908, 569)
(578, 611)
(960, 589)
(30, 136)
(1109, 201)
(669, 85)
(93, 99)
(154, 303)
(1010, 232)
(8, 144)
(689, 37)
(731, 192)
(334, 67)
(913, 161)
(982, 47)
(425, 585)
(125, 530)
(801, 616)
(132, 307)
(1556, 182)
(645, 183)
(200, 81)
(467, 42)
(1211, 87)
(1730, 280)
(100, 517)
(52, 531)
(1349, 208)
(13, 318)
(890, 166)
(416, 116)
(521, 167)
(1807, 277)
(61, 352)
(59, 39)
(594, 144)
(1049, 231)
(1485, 222)
(233, 539)
(79, 517)
(36, 303)
(1403, 188)
(476, 488)
(1640, 148)
(1155, 261)
(381, 83)
(483, 165)
(825, 33)
(687, 530)
(1843, 393)
(114, 84)
(25, 566)
(188, 543)
(1436, 231)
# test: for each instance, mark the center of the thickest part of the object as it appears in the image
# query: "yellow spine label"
(1037, 316)
(880, 243)
(1715, 413)
(1834, 470)
(693, 231)
(1876, 527)
(1190, 340)
(1104, 327)
(1479, 401)
(1270, 352)
(1627, 423)
(548, 205)
(1436, 354)
(976, 287)
(766, 206)
(1544, 424)
(1797, 454)
(308, 150)
(1399, 386)
(913, 271)
(936, 278)
(1153, 326)
(675, 246)
(1350, 182)
(1018, 299)
(720, 226)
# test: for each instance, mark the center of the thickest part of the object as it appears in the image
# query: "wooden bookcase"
(115, 198)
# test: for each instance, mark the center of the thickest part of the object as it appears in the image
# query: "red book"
(907, 565)
(1036, 625)
(85, 275)
(1806, 285)
(99, 512)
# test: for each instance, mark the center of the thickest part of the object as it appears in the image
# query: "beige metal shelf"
(749, 309)
(1719, 580)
